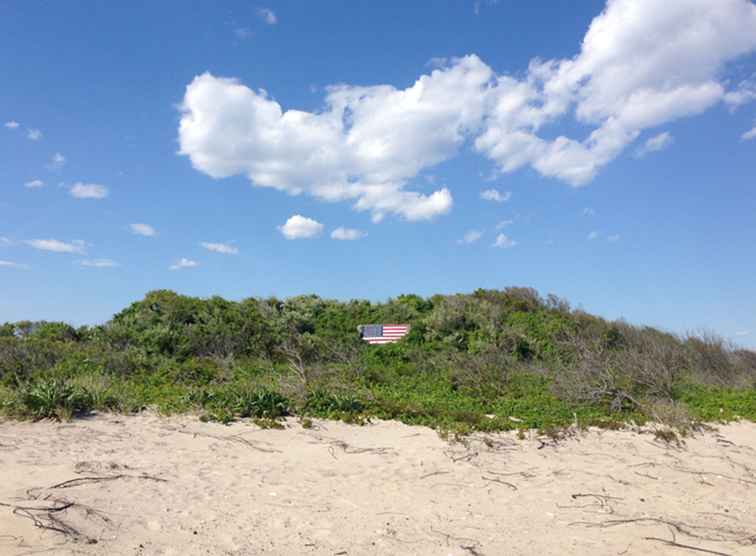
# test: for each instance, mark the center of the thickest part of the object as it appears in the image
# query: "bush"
(52, 399)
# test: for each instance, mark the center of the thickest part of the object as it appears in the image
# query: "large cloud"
(642, 63)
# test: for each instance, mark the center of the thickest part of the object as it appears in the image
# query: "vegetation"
(490, 360)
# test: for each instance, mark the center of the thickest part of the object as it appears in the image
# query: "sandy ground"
(147, 485)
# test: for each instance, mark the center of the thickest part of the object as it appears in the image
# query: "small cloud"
(504, 223)
(88, 191)
(347, 234)
(613, 238)
(504, 242)
(222, 248)
(588, 211)
(98, 263)
(267, 15)
(11, 264)
(183, 262)
(593, 235)
(495, 195)
(5, 241)
(745, 93)
(655, 144)
(34, 184)
(57, 161)
(743, 333)
(748, 135)
(438, 62)
(142, 229)
(301, 227)
(243, 33)
(34, 134)
(470, 236)
(13, 124)
(57, 246)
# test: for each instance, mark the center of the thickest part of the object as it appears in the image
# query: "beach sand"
(144, 485)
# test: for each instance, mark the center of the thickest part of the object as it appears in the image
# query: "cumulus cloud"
(654, 144)
(182, 263)
(33, 134)
(12, 124)
(369, 142)
(142, 229)
(347, 234)
(81, 190)
(495, 195)
(301, 227)
(223, 248)
(98, 263)
(57, 161)
(34, 184)
(267, 15)
(12, 264)
(504, 242)
(748, 135)
(471, 236)
(57, 246)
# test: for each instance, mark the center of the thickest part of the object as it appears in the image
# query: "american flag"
(383, 333)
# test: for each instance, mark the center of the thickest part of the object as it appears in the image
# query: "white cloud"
(12, 124)
(369, 142)
(5, 241)
(504, 242)
(267, 15)
(57, 246)
(301, 227)
(222, 248)
(88, 191)
(593, 235)
(99, 263)
(654, 144)
(745, 93)
(182, 263)
(57, 161)
(748, 135)
(613, 237)
(470, 236)
(495, 195)
(142, 229)
(11, 264)
(33, 134)
(34, 184)
(587, 211)
(742, 332)
(504, 223)
(347, 234)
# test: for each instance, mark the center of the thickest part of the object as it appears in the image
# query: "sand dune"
(144, 485)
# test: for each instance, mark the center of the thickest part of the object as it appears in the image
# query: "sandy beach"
(144, 485)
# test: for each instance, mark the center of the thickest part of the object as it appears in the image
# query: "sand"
(144, 485)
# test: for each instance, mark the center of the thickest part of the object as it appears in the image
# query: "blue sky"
(602, 152)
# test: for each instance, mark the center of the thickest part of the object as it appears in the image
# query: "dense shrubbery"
(488, 360)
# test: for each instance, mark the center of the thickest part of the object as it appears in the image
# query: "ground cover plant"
(489, 360)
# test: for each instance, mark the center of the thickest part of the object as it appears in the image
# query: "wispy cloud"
(504, 223)
(743, 333)
(655, 144)
(243, 33)
(347, 234)
(12, 124)
(588, 211)
(34, 184)
(88, 191)
(504, 242)
(223, 248)
(12, 264)
(750, 134)
(267, 15)
(57, 161)
(496, 195)
(99, 263)
(613, 238)
(142, 229)
(593, 235)
(471, 236)
(182, 263)
(301, 227)
(57, 246)
(33, 134)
